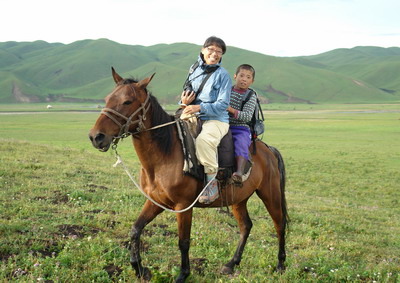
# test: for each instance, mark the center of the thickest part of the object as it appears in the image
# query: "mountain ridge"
(80, 70)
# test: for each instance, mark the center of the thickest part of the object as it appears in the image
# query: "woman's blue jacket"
(215, 95)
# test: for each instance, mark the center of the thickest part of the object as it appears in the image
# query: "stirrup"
(236, 178)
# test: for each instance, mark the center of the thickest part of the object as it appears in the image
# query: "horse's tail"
(282, 171)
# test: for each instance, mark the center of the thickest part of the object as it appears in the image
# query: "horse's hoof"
(145, 274)
(226, 270)
(280, 268)
(181, 278)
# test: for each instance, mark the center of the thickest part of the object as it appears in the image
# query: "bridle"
(124, 128)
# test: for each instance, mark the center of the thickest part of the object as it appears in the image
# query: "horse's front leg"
(148, 213)
(184, 228)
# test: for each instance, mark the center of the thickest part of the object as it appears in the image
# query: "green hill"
(376, 66)
(41, 71)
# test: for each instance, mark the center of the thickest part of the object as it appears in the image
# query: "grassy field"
(66, 212)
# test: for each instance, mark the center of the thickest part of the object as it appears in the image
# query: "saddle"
(188, 130)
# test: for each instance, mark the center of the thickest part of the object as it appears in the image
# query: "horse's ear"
(117, 78)
(143, 83)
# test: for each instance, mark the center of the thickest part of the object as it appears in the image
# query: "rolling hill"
(40, 71)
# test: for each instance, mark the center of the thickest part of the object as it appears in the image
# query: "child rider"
(240, 116)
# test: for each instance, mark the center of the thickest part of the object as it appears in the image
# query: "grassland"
(66, 213)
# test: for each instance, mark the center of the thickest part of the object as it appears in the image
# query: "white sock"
(210, 177)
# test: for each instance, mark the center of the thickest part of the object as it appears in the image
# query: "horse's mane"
(161, 136)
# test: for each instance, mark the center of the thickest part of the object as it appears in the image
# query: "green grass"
(66, 212)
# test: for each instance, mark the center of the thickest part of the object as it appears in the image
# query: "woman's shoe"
(210, 194)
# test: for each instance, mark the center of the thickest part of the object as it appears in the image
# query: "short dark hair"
(246, 67)
(213, 40)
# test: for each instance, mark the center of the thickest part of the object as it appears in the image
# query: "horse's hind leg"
(274, 205)
(242, 216)
(149, 212)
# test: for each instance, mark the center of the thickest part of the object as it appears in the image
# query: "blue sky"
(272, 27)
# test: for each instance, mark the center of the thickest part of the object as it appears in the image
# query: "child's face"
(243, 79)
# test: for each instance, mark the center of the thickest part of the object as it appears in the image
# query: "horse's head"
(124, 113)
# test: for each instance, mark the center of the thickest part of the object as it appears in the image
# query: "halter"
(124, 128)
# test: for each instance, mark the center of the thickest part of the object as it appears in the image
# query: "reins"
(124, 132)
(124, 128)
(119, 162)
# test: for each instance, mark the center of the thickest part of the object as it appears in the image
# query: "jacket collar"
(203, 64)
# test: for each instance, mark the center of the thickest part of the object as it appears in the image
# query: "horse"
(131, 110)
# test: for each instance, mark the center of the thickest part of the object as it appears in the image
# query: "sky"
(271, 27)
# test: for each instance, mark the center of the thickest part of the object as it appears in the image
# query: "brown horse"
(132, 110)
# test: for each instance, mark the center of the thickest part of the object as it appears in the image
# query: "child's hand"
(232, 112)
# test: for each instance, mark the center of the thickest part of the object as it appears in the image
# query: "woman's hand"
(191, 109)
(187, 97)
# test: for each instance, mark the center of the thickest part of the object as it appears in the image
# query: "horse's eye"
(127, 102)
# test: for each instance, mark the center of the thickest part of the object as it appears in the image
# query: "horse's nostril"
(90, 138)
(99, 138)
